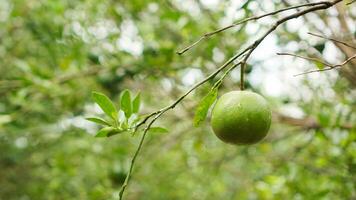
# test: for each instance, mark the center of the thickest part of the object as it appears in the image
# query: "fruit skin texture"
(241, 117)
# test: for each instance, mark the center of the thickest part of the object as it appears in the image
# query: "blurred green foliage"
(53, 53)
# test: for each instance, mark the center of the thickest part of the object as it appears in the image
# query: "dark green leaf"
(105, 104)
(320, 47)
(136, 103)
(248, 68)
(204, 105)
(322, 193)
(125, 103)
(94, 58)
(244, 6)
(98, 120)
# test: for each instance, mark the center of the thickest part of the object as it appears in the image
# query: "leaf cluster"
(124, 119)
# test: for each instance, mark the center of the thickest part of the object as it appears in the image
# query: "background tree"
(54, 53)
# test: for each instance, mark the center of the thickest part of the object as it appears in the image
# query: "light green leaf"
(105, 104)
(136, 103)
(125, 103)
(5, 119)
(98, 120)
(204, 105)
(121, 117)
(158, 130)
(132, 120)
(319, 65)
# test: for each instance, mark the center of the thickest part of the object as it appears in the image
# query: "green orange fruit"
(241, 117)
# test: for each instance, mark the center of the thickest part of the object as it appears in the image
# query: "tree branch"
(305, 123)
(248, 50)
(128, 176)
(212, 75)
(331, 39)
(254, 18)
(306, 58)
(329, 66)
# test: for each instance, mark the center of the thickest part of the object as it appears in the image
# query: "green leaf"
(121, 117)
(98, 120)
(133, 119)
(104, 131)
(136, 103)
(324, 118)
(320, 47)
(245, 5)
(204, 105)
(158, 130)
(108, 131)
(105, 104)
(319, 65)
(116, 132)
(125, 103)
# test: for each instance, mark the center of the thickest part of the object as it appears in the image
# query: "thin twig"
(306, 58)
(229, 70)
(207, 35)
(329, 66)
(128, 176)
(317, 70)
(242, 75)
(331, 39)
(212, 75)
(306, 123)
(243, 66)
(287, 18)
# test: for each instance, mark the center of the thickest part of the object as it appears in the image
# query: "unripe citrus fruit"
(241, 117)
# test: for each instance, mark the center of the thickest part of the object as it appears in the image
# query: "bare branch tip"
(180, 52)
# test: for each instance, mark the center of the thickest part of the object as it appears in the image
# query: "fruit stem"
(242, 75)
